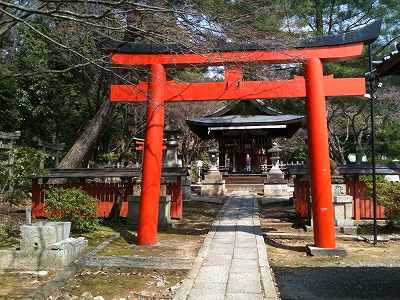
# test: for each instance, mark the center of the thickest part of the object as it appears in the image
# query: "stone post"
(342, 205)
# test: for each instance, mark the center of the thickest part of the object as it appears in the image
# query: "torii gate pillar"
(318, 151)
(152, 159)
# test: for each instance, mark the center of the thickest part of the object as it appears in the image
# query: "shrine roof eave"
(272, 126)
(390, 65)
(367, 34)
(232, 120)
(352, 169)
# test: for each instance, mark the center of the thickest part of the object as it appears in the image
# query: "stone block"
(342, 199)
(338, 189)
(186, 188)
(346, 229)
(244, 283)
(316, 251)
(213, 189)
(217, 274)
(343, 213)
(276, 177)
(137, 189)
(213, 185)
(164, 212)
(213, 176)
(244, 296)
(55, 257)
(276, 190)
(63, 253)
(218, 259)
(41, 235)
(245, 253)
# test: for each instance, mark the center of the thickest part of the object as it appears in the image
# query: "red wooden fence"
(363, 206)
(302, 197)
(362, 203)
(105, 193)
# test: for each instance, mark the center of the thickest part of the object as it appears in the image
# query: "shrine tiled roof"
(247, 120)
(254, 117)
(389, 65)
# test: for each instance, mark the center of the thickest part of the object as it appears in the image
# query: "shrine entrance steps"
(232, 263)
(253, 183)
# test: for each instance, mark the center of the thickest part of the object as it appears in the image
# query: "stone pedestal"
(44, 246)
(164, 214)
(213, 184)
(186, 188)
(276, 190)
(137, 188)
(342, 205)
(43, 234)
(275, 175)
(275, 184)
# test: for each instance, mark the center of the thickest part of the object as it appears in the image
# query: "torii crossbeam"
(314, 86)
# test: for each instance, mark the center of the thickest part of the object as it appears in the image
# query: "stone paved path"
(232, 263)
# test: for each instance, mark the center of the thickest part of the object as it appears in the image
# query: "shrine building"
(244, 128)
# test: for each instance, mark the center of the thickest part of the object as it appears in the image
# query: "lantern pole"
(372, 111)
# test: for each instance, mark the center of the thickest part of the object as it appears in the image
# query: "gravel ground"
(338, 283)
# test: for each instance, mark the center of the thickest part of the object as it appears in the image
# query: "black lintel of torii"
(366, 35)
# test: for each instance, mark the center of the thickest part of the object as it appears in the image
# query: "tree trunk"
(78, 154)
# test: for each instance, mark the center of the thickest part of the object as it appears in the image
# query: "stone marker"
(343, 206)
(164, 214)
(44, 246)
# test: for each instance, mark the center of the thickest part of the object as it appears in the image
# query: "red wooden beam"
(233, 73)
(219, 58)
(139, 146)
(239, 90)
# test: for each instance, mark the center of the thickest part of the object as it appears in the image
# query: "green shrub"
(72, 205)
(9, 228)
(387, 195)
(26, 163)
(9, 232)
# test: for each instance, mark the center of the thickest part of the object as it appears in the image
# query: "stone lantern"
(275, 174)
(213, 184)
(275, 184)
(171, 154)
(213, 155)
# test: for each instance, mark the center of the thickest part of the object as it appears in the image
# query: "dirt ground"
(122, 284)
(19, 285)
(183, 240)
(367, 272)
(10, 219)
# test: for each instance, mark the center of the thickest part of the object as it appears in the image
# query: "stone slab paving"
(232, 263)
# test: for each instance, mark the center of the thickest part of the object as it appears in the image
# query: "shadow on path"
(331, 283)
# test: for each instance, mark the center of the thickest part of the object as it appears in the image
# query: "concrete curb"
(104, 244)
(266, 274)
(52, 286)
(342, 237)
(159, 263)
(184, 290)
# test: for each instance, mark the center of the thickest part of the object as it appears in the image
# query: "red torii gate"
(314, 85)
